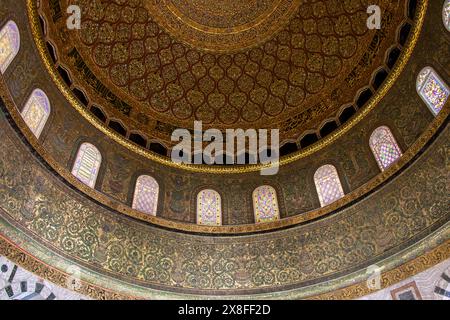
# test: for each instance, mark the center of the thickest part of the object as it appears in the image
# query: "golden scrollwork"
(390, 277)
(404, 58)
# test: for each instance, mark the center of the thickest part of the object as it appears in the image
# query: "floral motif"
(265, 204)
(209, 208)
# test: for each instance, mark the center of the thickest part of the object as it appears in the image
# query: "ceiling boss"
(222, 25)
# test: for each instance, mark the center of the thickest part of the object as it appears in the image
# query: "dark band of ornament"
(406, 270)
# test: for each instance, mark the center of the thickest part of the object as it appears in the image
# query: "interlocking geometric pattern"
(87, 164)
(432, 89)
(446, 14)
(328, 185)
(36, 111)
(9, 44)
(384, 147)
(146, 195)
(265, 204)
(209, 208)
(173, 81)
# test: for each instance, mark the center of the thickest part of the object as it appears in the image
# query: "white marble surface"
(22, 275)
(425, 282)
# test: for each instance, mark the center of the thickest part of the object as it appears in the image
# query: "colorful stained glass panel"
(87, 164)
(36, 111)
(265, 204)
(446, 14)
(384, 147)
(146, 195)
(9, 44)
(209, 208)
(328, 185)
(432, 89)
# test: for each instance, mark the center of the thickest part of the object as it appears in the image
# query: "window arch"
(446, 14)
(9, 44)
(209, 208)
(384, 147)
(87, 164)
(432, 89)
(265, 204)
(146, 195)
(36, 111)
(328, 185)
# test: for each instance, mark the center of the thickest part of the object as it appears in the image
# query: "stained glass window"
(36, 111)
(146, 195)
(87, 164)
(446, 14)
(209, 208)
(384, 147)
(265, 204)
(433, 91)
(9, 44)
(328, 185)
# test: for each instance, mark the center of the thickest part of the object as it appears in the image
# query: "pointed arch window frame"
(375, 149)
(217, 210)
(274, 205)
(10, 30)
(146, 184)
(79, 166)
(320, 176)
(37, 99)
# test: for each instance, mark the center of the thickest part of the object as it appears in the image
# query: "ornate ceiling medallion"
(222, 25)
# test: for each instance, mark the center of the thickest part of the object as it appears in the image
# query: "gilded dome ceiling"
(154, 66)
(372, 194)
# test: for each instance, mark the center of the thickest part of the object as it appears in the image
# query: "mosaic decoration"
(36, 111)
(146, 195)
(328, 185)
(9, 44)
(446, 14)
(87, 164)
(265, 204)
(209, 208)
(405, 209)
(252, 64)
(384, 147)
(432, 89)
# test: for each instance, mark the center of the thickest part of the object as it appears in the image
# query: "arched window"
(328, 185)
(9, 44)
(146, 195)
(87, 164)
(432, 89)
(446, 14)
(209, 208)
(384, 147)
(36, 111)
(265, 204)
